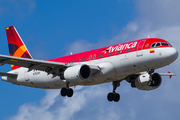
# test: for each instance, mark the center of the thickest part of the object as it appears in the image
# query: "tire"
(63, 92)
(116, 97)
(110, 97)
(70, 92)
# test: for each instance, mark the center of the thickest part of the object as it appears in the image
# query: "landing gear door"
(139, 48)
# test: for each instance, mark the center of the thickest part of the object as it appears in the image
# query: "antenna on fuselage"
(148, 36)
(71, 53)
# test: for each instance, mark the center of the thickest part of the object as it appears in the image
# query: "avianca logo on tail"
(18, 51)
(120, 47)
(16, 45)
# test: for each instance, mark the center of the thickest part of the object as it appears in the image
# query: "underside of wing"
(8, 74)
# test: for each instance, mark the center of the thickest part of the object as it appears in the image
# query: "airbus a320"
(133, 61)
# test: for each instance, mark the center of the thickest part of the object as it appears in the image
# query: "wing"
(8, 74)
(167, 74)
(47, 66)
(31, 63)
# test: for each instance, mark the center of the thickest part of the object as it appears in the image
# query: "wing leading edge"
(47, 66)
(31, 63)
(8, 74)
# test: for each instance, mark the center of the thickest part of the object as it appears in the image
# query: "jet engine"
(147, 82)
(76, 73)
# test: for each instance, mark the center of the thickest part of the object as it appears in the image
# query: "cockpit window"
(169, 44)
(164, 44)
(153, 45)
(158, 44)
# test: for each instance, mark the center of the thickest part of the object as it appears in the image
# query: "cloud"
(79, 46)
(83, 45)
(53, 106)
(157, 19)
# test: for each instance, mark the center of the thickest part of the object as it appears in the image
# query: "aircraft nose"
(172, 54)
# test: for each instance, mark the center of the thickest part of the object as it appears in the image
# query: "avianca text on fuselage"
(133, 61)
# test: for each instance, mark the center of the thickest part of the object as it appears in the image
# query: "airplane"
(133, 61)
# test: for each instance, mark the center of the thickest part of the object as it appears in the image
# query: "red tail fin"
(16, 46)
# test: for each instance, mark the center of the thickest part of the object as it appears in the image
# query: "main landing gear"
(151, 81)
(67, 91)
(113, 96)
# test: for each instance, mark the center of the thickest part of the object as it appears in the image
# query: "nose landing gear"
(113, 96)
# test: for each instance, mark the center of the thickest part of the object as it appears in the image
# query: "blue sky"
(53, 29)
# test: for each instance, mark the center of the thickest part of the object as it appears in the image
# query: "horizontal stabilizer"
(8, 74)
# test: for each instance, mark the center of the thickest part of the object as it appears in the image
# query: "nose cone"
(172, 54)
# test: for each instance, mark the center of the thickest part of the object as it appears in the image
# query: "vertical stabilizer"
(16, 46)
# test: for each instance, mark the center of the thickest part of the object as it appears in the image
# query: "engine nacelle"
(76, 73)
(142, 82)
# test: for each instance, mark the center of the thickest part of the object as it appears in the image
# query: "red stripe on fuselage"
(109, 51)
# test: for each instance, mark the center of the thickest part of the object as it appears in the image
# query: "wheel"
(116, 97)
(63, 92)
(133, 85)
(70, 92)
(150, 83)
(110, 97)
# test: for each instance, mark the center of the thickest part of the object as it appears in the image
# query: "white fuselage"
(113, 68)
